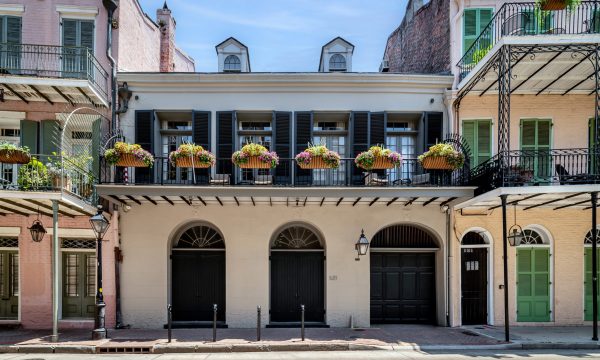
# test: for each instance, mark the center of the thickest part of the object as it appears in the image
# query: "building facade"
(57, 96)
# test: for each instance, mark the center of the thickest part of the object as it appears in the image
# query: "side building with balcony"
(56, 99)
(525, 98)
(284, 237)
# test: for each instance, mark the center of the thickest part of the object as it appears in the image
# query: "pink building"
(56, 97)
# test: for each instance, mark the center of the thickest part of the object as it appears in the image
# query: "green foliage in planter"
(33, 176)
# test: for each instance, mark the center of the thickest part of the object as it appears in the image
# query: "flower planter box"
(382, 163)
(128, 160)
(255, 163)
(14, 157)
(315, 163)
(552, 5)
(436, 163)
(186, 162)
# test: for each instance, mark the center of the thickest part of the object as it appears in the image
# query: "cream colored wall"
(567, 229)
(146, 233)
(570, 115)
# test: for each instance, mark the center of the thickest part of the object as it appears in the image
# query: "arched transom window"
(200, 237)
(297, 237)
(588, 237)
(232, 63)
(531, 237)
(337, 62)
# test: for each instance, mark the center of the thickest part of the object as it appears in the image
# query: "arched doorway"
(297, 275)
(403, 275)
(198, 274)
(534, 272)
(474, 275)
(587, 288)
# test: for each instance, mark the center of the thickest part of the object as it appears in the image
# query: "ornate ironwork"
(588, 237)
(78, 244)
(297, 237)
(9, 242)
(200, 237)
(473, 238)
(403, 236)
(531, 237)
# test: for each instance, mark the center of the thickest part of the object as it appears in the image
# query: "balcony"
(538, 168)
(286, 174)
(52, 74)
(29, 188)
(524, 20)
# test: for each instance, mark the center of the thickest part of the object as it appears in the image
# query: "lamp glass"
(362, 245)
(99, 224)
(515, 236)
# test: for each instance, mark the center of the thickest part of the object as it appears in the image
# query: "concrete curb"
(238, 348)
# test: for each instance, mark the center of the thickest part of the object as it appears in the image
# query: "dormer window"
(337, 62)
(232, 64)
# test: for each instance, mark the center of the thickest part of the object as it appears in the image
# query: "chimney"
(166, 24)
(411, 8)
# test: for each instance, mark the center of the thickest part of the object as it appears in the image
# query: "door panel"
(402, 288)
(474, 285)
(297, 278)
(587, 310)
(533, 284)
(198, 282)
(79, 285)
(9, 285)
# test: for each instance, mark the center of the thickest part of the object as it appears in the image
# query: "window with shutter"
(433, 129)
(144, 136)
(474, 22)
(10, 44)
(282, 145)
(78, 40)
(303, 127)
(225, 141)
(477, 133)
(536, 138)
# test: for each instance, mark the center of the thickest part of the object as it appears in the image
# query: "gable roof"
(331, 42)
(231, 38)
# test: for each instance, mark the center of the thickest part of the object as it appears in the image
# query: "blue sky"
(283, 35)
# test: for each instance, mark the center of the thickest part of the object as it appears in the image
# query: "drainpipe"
(454, 20)
(448, 266)
(111, 6)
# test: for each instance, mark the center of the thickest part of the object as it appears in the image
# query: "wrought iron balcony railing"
(50, 173)
(526, 18)
(287, 173)
(69, 62)
(537, 168)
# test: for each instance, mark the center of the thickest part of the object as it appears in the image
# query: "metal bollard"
(258, 323)
(169, 321)
(214, 322)
(302, 322)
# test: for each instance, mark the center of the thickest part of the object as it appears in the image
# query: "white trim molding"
(10, 231)
(73, 233)
(12, 9)
(81, 12)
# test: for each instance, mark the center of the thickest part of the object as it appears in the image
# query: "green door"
(536, 138)
(9, 285)
(79, 284)
(533, 284)
(478, 135)
(587, 286)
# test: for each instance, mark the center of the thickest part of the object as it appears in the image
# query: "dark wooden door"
(297, 278)
(403, 288)
(198, 282)
(474, 285)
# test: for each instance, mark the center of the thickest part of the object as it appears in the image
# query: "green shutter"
(29, 135)
(533, 284)
(594, 25)
(474, 22)
(537, 21)
(477, 133)
(78, 290)
(536, 135)
(50, 137)
(13, 29)
(468, 132)
(587, 286)
(9, 297)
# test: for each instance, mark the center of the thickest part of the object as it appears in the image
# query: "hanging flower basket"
(192, 156)
(11, 154)
(128, 155)
(378, 158)
(254, 156)
(436, 163)
(442, 157)
(552, 5)
(318, 157)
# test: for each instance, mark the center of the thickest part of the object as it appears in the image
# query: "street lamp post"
(100, 225)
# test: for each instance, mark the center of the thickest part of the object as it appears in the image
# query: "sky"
(283, 35)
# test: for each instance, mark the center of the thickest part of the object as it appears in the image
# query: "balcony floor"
(30, 202)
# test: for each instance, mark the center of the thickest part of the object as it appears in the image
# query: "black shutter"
(144, 136)
(377, 123)
(282, 146)
(225, 142)
(201, 136)
(304, 126)
(360, 141)
(29, 135)
(433, 129)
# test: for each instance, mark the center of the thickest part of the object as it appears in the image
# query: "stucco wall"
(567, 229)
(35, 269)
(247, 232)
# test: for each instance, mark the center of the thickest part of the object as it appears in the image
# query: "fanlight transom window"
(531, 237)
(297, 237)
(200, 237)
(337, 62)
(588, 237)
(232, 63)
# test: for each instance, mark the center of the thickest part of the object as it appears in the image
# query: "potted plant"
(254, 156)
(13, 154)
(378, 157)
(318, 157)
(549, 5)
(442, 157)
(128, 155)
(191, 155)
(33, 176)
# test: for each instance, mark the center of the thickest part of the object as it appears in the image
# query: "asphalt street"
(342, 355)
